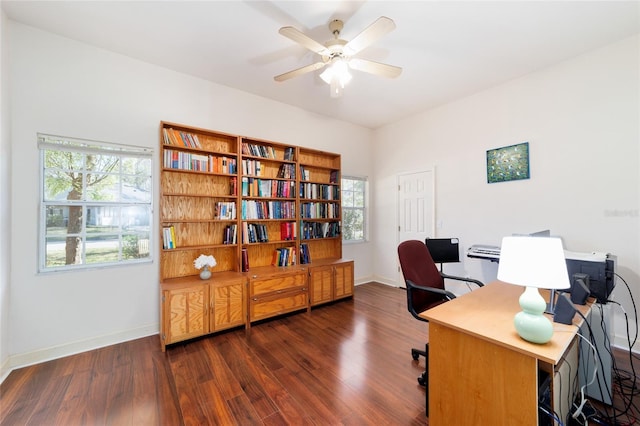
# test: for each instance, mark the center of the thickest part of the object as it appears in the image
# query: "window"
(95, 204)
(353, 208)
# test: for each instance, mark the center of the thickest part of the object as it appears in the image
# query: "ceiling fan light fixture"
(337, 55)
(336, 76)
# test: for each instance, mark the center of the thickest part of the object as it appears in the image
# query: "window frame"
(84, 147)
(364, 208)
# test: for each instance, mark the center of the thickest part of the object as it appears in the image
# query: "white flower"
(203, 260)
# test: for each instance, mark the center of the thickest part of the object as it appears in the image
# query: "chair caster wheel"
(421, 381)
(414, 354)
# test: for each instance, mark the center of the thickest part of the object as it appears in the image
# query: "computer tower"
(599, 323)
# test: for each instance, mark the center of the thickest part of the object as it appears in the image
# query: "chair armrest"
(469, 280)
(446, 295)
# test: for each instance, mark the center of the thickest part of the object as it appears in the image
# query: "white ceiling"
(447, 49)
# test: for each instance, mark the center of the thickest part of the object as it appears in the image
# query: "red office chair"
(425, 289)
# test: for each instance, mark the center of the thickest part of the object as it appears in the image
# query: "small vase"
(205, 274)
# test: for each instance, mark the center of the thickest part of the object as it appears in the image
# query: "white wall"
(5, 191)
(63, 87)
(581, 119)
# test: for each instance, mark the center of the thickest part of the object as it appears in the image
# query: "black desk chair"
(425, 287)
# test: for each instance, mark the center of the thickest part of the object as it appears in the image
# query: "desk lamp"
(533, 262)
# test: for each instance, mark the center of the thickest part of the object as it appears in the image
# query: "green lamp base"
(531, 324)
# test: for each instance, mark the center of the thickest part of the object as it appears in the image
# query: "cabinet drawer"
(277, 283)
(269, 306)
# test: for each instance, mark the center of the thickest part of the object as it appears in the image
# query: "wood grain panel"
(344, 280)
(319, 158)
(484, 394)
(321, 284)
(187, 208)
(229, 306)
(187, 313)
(323, 248)
(179, 262)
(192, 184)
(281, 282)
(267, 307)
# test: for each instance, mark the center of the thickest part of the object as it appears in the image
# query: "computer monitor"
(443, 250)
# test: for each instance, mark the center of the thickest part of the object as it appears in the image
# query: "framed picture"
(508, 163)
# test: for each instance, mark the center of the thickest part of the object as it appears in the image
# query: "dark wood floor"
(346, 363)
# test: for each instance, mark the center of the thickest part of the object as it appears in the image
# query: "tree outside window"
(96, 204)
(353, 208)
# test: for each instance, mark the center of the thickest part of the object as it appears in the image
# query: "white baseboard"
(622, 343)
(363, 280)
(4, 370)
(60, 351)
(377, 279)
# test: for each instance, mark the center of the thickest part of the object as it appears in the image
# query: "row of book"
(320, 210)
(306, 175)
(176, 137)
(264, 151)
(251, 167)
(287, 171)
(284, 256)
(225, 210)
(288, 231)
(230, 235)
(255, 187)
(251, 233)
(289, 153)
(168, 238)
(252, 209)
(180, 160)
(254, 233)
(319, 191)
(313, 230)
(305, 256)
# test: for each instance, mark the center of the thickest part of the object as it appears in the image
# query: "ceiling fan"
(339, 54)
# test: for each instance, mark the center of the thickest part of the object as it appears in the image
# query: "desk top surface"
(488, 312)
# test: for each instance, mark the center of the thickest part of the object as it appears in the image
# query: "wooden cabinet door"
(228, 306)
(343, 280)
(321, 284)
(185, 313)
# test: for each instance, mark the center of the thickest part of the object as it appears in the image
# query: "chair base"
(422, 379)
(415, 354)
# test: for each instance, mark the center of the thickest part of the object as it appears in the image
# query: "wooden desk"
(480, 371)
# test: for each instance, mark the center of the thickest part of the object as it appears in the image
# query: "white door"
(416, 209)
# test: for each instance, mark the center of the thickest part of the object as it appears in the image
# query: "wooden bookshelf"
(223, 195)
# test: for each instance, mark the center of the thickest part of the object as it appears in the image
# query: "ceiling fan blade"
(376, 68)
(299, 71)
(369, 35)
(304, 40)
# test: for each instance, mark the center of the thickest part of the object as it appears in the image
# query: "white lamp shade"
(533, 262)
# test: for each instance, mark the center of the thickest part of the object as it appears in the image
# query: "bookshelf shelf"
(238, 198)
